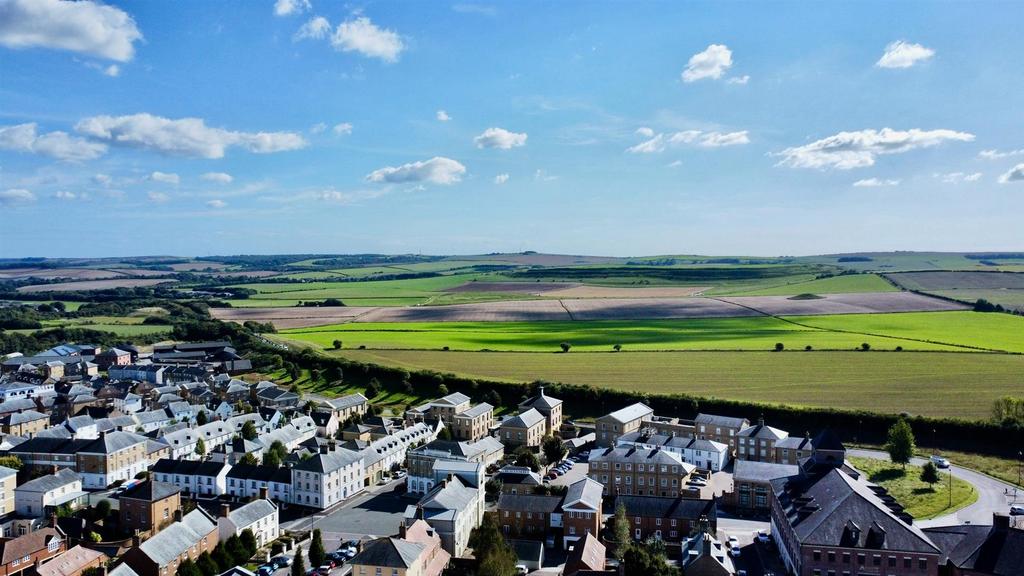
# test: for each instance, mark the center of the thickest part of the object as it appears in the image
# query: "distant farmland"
(94, 285)
(926, 383)
(1005, 288)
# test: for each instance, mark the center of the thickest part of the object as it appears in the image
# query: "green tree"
(526, 457)
(565, 346)
(249, 542)
(930, 474)
(494, 555)
(12, 462)
(444, 434)
(373, 388)
(900, 444)
(207, 565)
(442, 390)
(779, 346)
(337, 344)
(249, 459)
(276, 455)
(493, 488)
(188, 568)
(865, 346)
(298, 566)
(317, 554)
(620, 531)
(617, 347)
(201, 418)
(200, 448)
(639, 560)
(223, 559)
(102, 509)
(236, 550)
(493, 398)
(552, 449)
(249, 430)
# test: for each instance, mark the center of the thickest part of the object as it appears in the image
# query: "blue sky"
(197, 128)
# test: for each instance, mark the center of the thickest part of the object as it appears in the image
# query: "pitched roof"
(150, 491)
(518, 475)
(584, 491)
(528, 419)
(453, 399)
(478, 410)
(111, 442)
(122, 569)
(71, 562)
(631, 412)
(261, 473)
(329, 462)
(750, 471)
(541, 401)
(658, 507)
(188, 467)
(722, 421)
(535, 503)
(346, 401)
(996, 549)
(641, 456)
(389, 553)
(171, 542)
(252, 512)
(587, 554)
(61, 477)
(760, 430)
(827, 439)
(28, 544)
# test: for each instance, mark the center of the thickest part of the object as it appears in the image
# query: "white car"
(735, 551)
(939, 461)
(1017, 510)
(521, 569)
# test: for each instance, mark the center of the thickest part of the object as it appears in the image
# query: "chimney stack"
(136, 540)
(401, 530)
(225, 509)
(264, 493)
(323, 448)
(177, 515)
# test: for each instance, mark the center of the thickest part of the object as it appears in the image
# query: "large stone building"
(565, 518)
(186, 538)
(549, 406)
(667, 519)
(417, 551)
(452, 510)
(758, 442)
(474, 423)
(421, 461)
(629, 419)
(524, 429)
(148, 506)
(639, 471)
(328, 477)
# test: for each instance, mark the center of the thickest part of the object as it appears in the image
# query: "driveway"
(993, 495)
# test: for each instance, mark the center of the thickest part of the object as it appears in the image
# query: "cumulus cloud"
(542, 175)
(661, 141)
(318, 128)
(218, 177)
(216, 203)
(501, 178)
(102, 179)
(859, 149)
(739, 79)
(1016, 174)
(25, 138)
(500, 138)
(902, 54)
(645, 131)
(158, 197)
(997, 154)
(958, 177)
(711, 63)
(875, 183)
(289, 7)
(16, 196)
(183, 136)
(443, 116)
(113, 70)
(317, 28)
(85, 27)
(342, 129)
(66, 195)
(437, 170)
(166, 178)
(363, 36)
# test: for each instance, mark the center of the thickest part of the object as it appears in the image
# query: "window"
(832, 557)
(922, 563)
(907, 563)
(846, 558)
(860, 559)
(817, 555)
(892, 561)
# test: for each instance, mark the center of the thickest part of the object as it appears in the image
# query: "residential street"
(993, 495)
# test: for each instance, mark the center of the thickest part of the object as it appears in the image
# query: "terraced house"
(186, 538)
(327, 478)
(474, 423)
(721, 429)
(629, 419)
(639, 471)
(758, 442)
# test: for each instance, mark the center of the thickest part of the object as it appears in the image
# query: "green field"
(920, 500)
(911, 331)
(835, 285)
(927, 383)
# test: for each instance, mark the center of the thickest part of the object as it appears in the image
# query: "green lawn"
(990, 331)
(834, 285)
(920, 500)
(751, 333)
(926, 383)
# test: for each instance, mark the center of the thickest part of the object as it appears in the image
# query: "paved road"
(993, 495)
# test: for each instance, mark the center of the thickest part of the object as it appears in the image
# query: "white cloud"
(318, 128)
(675, 163)
(15, 196)
(996, 154)
(738, 79)
(85, 27)
(158, 197)
(184, 136)
(500, 138)
(1016, 174)
(902, 54)
(65, 195)
(443, 116)
(216, 203)
(718, 139)
(102, 179)
(501, 178)
(113, 70)
(317, 28)
(289, 7)
(711, 63)
(847, 150)
(660, 142)
(645, 132)
(875, 183)
(218, 177)
(361, 35)
(957, 177)
(437, 170)
(166, 178)
(24, 138)
(342, 129)
(543, 176)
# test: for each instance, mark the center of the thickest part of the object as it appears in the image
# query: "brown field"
(513, 287)
(94, 285)
(860, 303)
(652, 308)
(928, 281)
(611, 292)
(193, 266)
(71, 273)
(294, 317)
(250, 273)
(509, 311)
(139, 272)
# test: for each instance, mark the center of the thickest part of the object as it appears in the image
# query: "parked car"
(762, 537)
(1017, 510)
(551, 476)
(324, 570)
(735, 551)
(698, 481)
(266, 570)
(521, 569)
(281, 561)
(400, 474)
(349, 553)
(313, 572)
(338, 557)
(939, 461)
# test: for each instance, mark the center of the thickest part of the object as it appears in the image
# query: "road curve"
(993, 495)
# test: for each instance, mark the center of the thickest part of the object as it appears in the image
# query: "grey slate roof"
(542, 401)
(389, 553)
(722, 421)
(528, 419)
(252, 512)
(171, 542)
(985, 549)
(657, 507)
(631, 412)
(750, 471)
(329, 462)
(534, 503)
(478, 410)
(762, 431)
(62, 477)
(640, 456)
(150, 491)
(585, 491)
(452, 399)
(518, 475)
(346, 401)
(112, 442)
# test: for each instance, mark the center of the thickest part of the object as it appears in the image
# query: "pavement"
(375, 512)
(993, 495)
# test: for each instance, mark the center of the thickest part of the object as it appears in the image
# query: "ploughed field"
(962, 330)
(1005, 288)
(940, 384)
